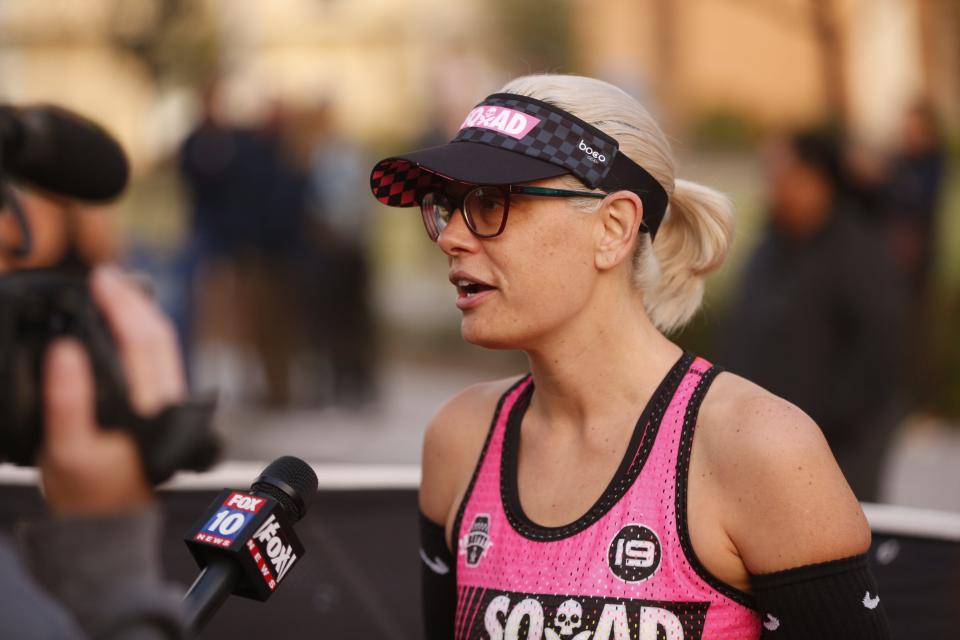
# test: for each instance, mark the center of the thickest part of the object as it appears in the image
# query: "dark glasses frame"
(457, 203)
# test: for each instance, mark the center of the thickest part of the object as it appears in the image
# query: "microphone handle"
(208, 592)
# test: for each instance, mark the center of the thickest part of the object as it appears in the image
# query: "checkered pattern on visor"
(399, 183)
(558, 139)
(537, 129)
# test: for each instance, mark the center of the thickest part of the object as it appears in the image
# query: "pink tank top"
(625, 570)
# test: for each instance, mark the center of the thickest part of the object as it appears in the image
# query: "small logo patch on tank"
(474, 545)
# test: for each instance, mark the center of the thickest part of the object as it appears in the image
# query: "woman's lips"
(471, 300)
(471, 290)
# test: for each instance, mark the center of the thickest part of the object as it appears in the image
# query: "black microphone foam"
(62, 152)
(291, 482)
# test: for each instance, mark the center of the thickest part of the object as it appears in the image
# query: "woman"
(549, 508)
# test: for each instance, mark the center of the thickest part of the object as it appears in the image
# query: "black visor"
(511, 139)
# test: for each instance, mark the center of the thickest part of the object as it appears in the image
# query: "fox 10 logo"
(227, 523)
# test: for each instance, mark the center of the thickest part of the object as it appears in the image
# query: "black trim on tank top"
(682, 477)
(458, 519)
(634, 458)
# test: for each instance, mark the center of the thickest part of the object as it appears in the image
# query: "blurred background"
(325, 321)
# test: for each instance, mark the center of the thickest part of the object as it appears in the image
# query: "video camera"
(65, 154)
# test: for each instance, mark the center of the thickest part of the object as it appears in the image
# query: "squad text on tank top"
(625, 570)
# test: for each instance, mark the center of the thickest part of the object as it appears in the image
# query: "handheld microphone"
(245, 542)
(62, 152)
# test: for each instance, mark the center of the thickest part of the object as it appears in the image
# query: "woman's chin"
(486, 337)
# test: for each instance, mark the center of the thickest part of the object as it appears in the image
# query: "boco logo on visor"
(509, 122)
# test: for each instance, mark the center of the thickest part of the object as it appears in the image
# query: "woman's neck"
(597, 367)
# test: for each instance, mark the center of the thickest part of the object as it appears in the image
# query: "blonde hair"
(697, 229)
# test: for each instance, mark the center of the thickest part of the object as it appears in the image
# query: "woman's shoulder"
(452, 444)
(741, 413)
(466, 415)
(746, 431)
(787, 500)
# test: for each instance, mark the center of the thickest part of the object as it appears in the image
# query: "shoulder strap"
(491, 448)
(707, 373)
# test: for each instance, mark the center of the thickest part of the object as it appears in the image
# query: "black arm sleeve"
(438, 581)
(828, 601)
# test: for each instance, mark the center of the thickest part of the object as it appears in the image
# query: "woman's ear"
(618, 224)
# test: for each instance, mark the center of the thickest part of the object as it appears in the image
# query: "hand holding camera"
(87, 469)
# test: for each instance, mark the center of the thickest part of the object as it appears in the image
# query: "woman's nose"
(456, 237)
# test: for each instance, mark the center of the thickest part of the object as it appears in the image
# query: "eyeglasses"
(483, 208)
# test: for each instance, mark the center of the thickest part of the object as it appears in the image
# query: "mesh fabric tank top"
(625, 570)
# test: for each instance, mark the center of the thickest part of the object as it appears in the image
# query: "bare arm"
(451, 449)
(798, 528)
(785, 502)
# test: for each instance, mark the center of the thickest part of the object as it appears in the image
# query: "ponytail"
(692, 241)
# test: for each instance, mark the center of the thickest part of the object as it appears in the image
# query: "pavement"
(387, 432)
(923, 469)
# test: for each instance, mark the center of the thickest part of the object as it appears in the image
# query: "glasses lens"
(436, 212)
(483, 208)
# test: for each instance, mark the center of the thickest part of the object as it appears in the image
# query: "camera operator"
(90, 568)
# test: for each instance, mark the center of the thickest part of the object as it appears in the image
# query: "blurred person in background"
(818, 316)
(624, 486)
(337, 284)
(899, 192)
(912, 193)
(247, 227)
(91, 568)
(202, 162)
